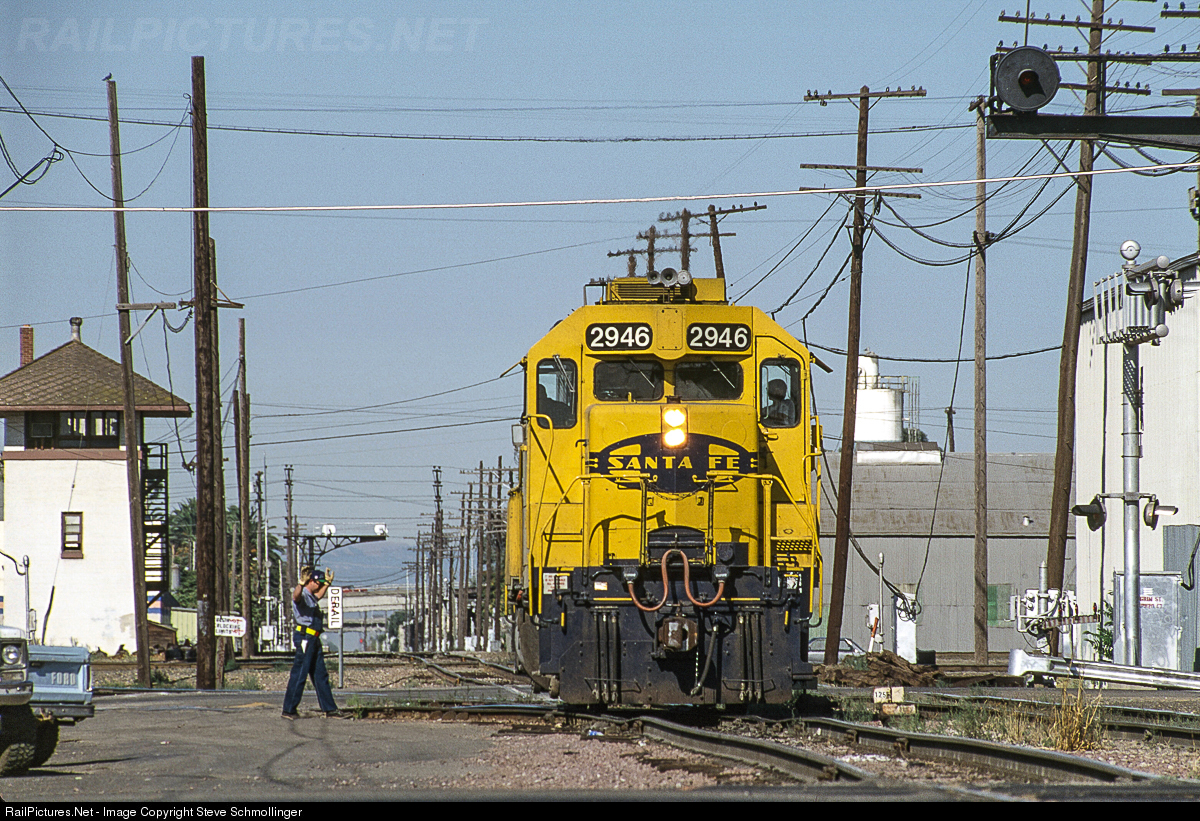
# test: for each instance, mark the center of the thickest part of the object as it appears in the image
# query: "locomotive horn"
(683, 278)
(670, 277)
(654, 277)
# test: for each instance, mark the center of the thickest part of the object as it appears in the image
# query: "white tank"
(880, 415)
(868, 370)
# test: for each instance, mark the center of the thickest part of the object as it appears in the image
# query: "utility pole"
(204, 314)
(1193, 193)
(220, 525)
(436, 563)
(715, 236)
(243, 477)
(264, 562)
(1064, 455)
(981, 494)
(684, 219)
(949, 430)
(497, 548)
(420, 632)
(480, 612)
(292, 570)
(850, 405)
(464, 542)
(133, 439)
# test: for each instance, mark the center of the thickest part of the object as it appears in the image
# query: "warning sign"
(230, 626)
(335, 608)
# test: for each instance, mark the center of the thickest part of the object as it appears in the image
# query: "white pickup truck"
(41, 687)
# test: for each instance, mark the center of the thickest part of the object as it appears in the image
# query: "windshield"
(628, 379)
(708, 379)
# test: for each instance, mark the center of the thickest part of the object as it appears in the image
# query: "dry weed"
(1075, 724)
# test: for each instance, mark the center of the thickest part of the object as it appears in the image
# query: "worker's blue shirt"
(307, 612)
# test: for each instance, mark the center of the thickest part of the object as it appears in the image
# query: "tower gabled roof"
(76, 377)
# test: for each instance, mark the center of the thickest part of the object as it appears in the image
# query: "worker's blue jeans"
(310, 661)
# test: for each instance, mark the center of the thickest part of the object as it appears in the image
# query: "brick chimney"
(26, 345)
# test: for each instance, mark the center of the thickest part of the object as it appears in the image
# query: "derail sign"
(335, 608)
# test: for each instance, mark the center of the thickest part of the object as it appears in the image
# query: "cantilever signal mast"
(845, 475)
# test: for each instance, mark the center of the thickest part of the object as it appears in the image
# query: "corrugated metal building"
(892, 513)
(1170, 463)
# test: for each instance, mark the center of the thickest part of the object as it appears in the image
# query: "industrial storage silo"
(880, 416)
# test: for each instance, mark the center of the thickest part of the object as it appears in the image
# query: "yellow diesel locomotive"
(662, 540)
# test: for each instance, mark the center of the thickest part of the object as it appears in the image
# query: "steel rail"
(791, 761)
(1130, 723)
(459, 677)
(1006, 758)
(456, 712)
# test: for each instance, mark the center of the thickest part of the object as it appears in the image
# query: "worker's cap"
(318, 576)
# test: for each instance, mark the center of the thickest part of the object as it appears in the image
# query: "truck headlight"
(11, 654)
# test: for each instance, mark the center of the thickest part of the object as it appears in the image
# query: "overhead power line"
(498, 138)
(840, 352)
(383, 432)
(867, 189)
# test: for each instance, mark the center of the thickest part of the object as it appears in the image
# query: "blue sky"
(349, 310)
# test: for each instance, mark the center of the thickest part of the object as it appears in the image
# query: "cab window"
(556, 381)
(708, 379)
(780, 393)
(626, 380)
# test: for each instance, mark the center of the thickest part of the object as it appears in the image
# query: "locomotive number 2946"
(619, 336)
(718, 336)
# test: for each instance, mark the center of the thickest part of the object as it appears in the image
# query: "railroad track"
(1011, 759)
(465, 669)
(794, 760)
(1121, 722)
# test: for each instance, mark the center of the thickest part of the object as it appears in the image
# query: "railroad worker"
(781, 412)
(560, 413)
(310, 658)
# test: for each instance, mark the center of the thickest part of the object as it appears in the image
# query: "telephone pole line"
(436, 559)
(204, 313)
(850, 406)
(1064, 455)
(264, 563)
(243, 478)
(290, 564)
(133, 439)
(981, 493)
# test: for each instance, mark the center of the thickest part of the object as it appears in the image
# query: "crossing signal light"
(1094, 511)
(1026, 78)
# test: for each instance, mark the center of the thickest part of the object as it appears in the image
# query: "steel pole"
(30, 627)
(1131, 400)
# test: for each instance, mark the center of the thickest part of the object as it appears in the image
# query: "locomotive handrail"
(546, 453)
(716, 474)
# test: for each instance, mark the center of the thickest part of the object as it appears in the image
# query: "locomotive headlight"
(674, 426)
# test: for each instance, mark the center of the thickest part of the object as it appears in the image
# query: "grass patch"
(248, 681)
(855, 709)
(1076, 723)
(997, 723)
